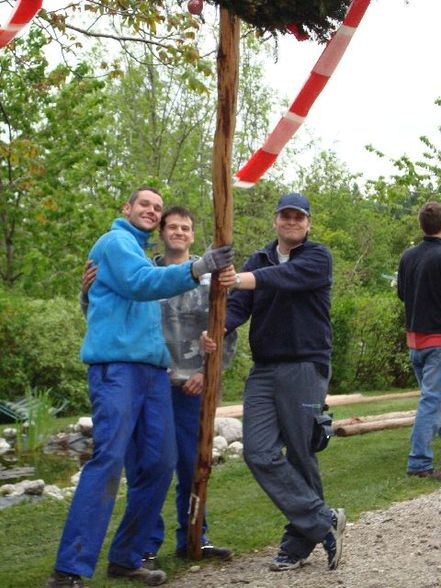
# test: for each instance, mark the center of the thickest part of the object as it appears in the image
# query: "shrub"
(370, 351)
(235, 376)
(40, 342)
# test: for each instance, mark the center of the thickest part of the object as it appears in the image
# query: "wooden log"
(336, 399)
(378, 417)
(379, 425)
(228, 76)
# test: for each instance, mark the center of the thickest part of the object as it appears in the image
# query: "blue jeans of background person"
(186, 411)
(427, 366)
(280, 402)
(132, 426)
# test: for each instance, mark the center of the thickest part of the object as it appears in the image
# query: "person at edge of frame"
(419, 287)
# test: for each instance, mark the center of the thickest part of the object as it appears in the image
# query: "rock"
(75, 478)
(78, 442)
(10, 433)
(220, 444)
(229, 428)
(33, 487)
(85, 426)
(4, 446)
(217, 457)
(235, 449)
(6, 489)
(52, 491)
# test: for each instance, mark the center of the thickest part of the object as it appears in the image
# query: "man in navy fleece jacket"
(285, 289)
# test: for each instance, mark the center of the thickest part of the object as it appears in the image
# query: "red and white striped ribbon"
(24, 12)
(264, 157)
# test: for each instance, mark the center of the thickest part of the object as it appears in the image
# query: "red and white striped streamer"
(24, 12)
(264, 157)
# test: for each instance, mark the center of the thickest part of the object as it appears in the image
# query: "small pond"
(53, 468)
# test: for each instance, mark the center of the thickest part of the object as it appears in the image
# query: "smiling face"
(145, 211)
(177, 234)
(292, 227)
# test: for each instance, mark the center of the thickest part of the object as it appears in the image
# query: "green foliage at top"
(168, 31)
(315, 16)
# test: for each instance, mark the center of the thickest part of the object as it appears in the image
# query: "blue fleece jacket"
(124, 315)
(290, 306)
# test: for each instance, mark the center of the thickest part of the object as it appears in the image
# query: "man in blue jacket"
(129, 391)
(285, 289)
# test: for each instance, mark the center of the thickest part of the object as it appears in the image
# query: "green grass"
(360, 473)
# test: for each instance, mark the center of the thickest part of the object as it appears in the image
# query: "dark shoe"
(213, 552)
(64, 580)
(333, 542)
(283, 562)
(434, 474)
(208, 552)
(148, 577)
(150, 561)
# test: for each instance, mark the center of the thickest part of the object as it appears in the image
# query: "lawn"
(360, 473)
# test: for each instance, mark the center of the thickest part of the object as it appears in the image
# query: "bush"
(235, 376)
(40, 342)
(370, 351)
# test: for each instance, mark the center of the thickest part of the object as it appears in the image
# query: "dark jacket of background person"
(419, 286)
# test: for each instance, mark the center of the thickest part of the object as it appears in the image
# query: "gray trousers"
(280, 402)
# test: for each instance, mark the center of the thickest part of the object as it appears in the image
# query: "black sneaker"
(283, 562)
(150, 561)
(148, 577)
(64, 580)
(213, 552)
(208, 552)
(333, 542)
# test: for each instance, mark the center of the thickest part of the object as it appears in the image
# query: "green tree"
(52, 168)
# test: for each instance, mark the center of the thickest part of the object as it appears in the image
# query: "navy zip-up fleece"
(292, 298)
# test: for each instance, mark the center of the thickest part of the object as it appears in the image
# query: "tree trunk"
(228, 73)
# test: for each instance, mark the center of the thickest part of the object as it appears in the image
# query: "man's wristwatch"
(237, 281)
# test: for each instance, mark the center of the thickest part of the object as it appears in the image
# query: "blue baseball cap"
(295, 201)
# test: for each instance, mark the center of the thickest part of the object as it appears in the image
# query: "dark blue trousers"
(186, 410)
(132, 427)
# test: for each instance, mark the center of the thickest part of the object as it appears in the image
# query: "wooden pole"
(228, 76)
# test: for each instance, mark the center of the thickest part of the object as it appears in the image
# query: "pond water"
(53, 468)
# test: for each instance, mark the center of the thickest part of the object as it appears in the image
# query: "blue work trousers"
(280, 402)
(427, 366)
(132, 427)
(186, 412)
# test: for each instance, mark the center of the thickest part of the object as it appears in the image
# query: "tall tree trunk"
(228, 74)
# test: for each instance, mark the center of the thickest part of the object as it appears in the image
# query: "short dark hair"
(178, 210)
(134, 195)
(430, 218)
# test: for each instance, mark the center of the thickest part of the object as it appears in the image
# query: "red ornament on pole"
(195, 6)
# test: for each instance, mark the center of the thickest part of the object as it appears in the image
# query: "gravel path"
(395, 548)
